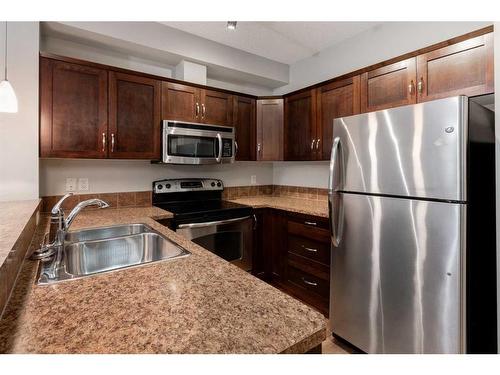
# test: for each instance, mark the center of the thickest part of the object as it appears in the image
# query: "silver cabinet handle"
(219, 156)
(259, 148)
(312, 144)
(112, 142)
(310, 249)
(203, 111)
(103, 142)
(317, 143)
(411, 87)
(235, 148)
(312, 283)
(255, 223)
(197, 110)
(313, 223)
(420, 85)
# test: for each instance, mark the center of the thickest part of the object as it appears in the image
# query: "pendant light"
(8, 99)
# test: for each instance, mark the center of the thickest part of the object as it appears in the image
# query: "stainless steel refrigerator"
(412, 214)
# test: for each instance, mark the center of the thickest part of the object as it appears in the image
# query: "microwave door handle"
(219, 156)
(336, 224)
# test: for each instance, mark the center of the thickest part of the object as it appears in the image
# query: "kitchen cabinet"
(293, 253)
(192, 104)
(464, 68)
(134, 117)
(337, 99)
(180, 102)
(245, 127)
(73, 110)
(300, 126)
(389, 86)
(269, 129)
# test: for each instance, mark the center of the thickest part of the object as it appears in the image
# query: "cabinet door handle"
(197, 110)
(312, 144)
(235, 148)
(310, 249)
(203, 111)
(317, 143)
(420, 85)
(411, 88)
(313, 223)
(312, 283)
(103, 142)
(259, 148)
(112, 142)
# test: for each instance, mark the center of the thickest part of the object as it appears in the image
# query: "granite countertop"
(303, 206)
(197, 304)
(14, 216)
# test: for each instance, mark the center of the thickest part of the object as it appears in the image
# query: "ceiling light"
(231, 25)
(8, 99)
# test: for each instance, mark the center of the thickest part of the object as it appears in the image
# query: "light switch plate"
(83, 184)
(253, 180)
(70, 184)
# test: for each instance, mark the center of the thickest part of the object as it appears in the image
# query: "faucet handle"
(56, 210)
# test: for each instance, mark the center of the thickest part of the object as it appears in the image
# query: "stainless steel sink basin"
(93, 251)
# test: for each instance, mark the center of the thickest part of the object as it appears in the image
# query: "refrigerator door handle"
(336, 224)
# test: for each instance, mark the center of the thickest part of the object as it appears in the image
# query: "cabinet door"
(464, 68)
(270, 129)
(337, 99)
(180, 102)
(134, 117)
(244, 123)
(390, 86)
(216, 108)
(73, 110)
(300, 126)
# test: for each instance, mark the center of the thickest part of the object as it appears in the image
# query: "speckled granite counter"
(198, 304)
(303, 206)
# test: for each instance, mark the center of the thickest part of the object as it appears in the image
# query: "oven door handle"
(212, 223)
(219, 156)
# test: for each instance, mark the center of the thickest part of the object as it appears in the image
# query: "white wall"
(382, 42)
(497, 157)
(136, 175)
(301, 173)
(19, 131)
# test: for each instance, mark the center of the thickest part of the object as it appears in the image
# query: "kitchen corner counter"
(197, 304)
(302, 206)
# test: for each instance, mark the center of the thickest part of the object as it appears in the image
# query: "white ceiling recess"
(285, 42)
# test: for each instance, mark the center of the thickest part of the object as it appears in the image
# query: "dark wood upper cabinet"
(269, 129)
(300, 126)
(180, 102)
(337, 99)
(465, 68)
(390, 86)
(244, 123)
(134, 117)
(73, 110)
(216, 107)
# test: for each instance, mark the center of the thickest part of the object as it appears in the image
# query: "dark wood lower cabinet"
(292, 252)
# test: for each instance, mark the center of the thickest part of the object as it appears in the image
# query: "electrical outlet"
(70, 184)
(253, 180)
(83, 184)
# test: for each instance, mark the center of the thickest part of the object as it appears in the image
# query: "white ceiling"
(285, 42)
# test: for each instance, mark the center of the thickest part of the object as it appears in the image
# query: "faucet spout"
(80, 206)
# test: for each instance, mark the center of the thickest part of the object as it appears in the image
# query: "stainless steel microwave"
(192, 143)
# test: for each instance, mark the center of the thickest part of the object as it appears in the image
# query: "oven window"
(192, 146)
(228, 245)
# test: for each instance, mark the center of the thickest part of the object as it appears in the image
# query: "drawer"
(307, 248)
(308, 229)
(307, 281)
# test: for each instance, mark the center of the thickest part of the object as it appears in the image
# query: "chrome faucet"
(59, 225)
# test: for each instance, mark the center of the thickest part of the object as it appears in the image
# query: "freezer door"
(414, 151)
(396, 275)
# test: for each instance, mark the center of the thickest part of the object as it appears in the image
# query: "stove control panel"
(187, 185)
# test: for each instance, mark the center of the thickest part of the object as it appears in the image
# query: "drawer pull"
(312, 283)
(313, 223)
(310, 249)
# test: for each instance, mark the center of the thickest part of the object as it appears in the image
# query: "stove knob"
(219, 184)
(159, 187)
(168, 186)
(212, 184)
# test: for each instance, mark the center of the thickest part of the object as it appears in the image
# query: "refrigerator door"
(395, 275)
(413, 151)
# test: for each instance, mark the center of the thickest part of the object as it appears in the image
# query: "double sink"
(92, 251)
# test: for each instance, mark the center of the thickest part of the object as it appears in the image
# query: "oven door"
(189, 143)
(230, 239)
